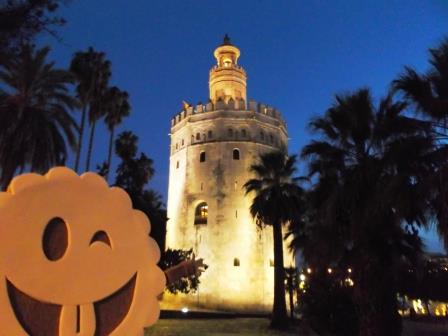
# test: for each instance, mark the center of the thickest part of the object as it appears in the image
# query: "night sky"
(297, 55)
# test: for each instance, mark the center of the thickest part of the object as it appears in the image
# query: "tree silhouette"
(276, 200)
(35, 121)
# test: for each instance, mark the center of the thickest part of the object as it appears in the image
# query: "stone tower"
(212, 147)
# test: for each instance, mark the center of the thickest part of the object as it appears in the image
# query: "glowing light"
(349, 270)
(302, 277)
(438, 308)
(185, 310)
(308, 270)
(329, 270)
(349, 282)
(418, 307)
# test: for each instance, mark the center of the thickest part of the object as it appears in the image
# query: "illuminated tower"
(212, 147)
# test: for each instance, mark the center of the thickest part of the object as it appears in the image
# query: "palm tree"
(98, 108)
(292, 285)
(91, 71)
(277, 196)
(35, 124)
(428, 94)
(372, 167)
(118, 109)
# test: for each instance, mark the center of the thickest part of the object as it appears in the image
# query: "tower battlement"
(230, 67)
(231, 105)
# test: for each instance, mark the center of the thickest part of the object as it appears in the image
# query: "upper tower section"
(227, 79)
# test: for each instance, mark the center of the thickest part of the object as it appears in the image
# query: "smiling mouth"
(39, 318)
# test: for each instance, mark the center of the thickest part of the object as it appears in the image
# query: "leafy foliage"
(372, 170)
(92, 71)
(172, 257)
(277, 201)
(133, 174)
(35, 121)
(328, 305)
(428, 95)
(21, 21)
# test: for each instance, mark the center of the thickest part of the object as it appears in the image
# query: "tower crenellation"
(239, 105)
(212, 148)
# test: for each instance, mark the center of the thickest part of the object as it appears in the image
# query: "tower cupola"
(227, 79)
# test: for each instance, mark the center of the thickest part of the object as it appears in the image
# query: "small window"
(236, 262)
(202, 157)
(261, 135)
(177, 146)
(192, 139)
(177, 164)
(202, 186)
(182, 142)
(201, 213)
(227, 63)
(235, 185)
(198, 136)
(236, 154)
(236, 213)
(271, 138)
(230, 132)
(210, 134)
(271, 262)
(243, 133)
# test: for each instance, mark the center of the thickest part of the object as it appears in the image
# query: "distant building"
(212, 147)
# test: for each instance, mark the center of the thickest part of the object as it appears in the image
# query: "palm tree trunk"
(375, 300)
(81, 134)
(279, 315)
(291, 302)
(109, 156)
(89, 152)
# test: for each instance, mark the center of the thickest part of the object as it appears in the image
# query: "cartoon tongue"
(77, 320)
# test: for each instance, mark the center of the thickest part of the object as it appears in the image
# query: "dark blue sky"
(297, 54)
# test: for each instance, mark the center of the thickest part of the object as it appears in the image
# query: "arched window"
(271, 138)
(198, 136)
(192, 139)
(243, 133)
(236, 154)
(236, 262)
(210, 134)
(261, 135)
(201, 213)
(230, 132)
(182, 142)
(202, 157)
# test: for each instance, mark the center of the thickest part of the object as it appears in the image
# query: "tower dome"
(227, 79)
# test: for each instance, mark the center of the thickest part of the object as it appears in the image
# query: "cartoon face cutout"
(75, 258)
